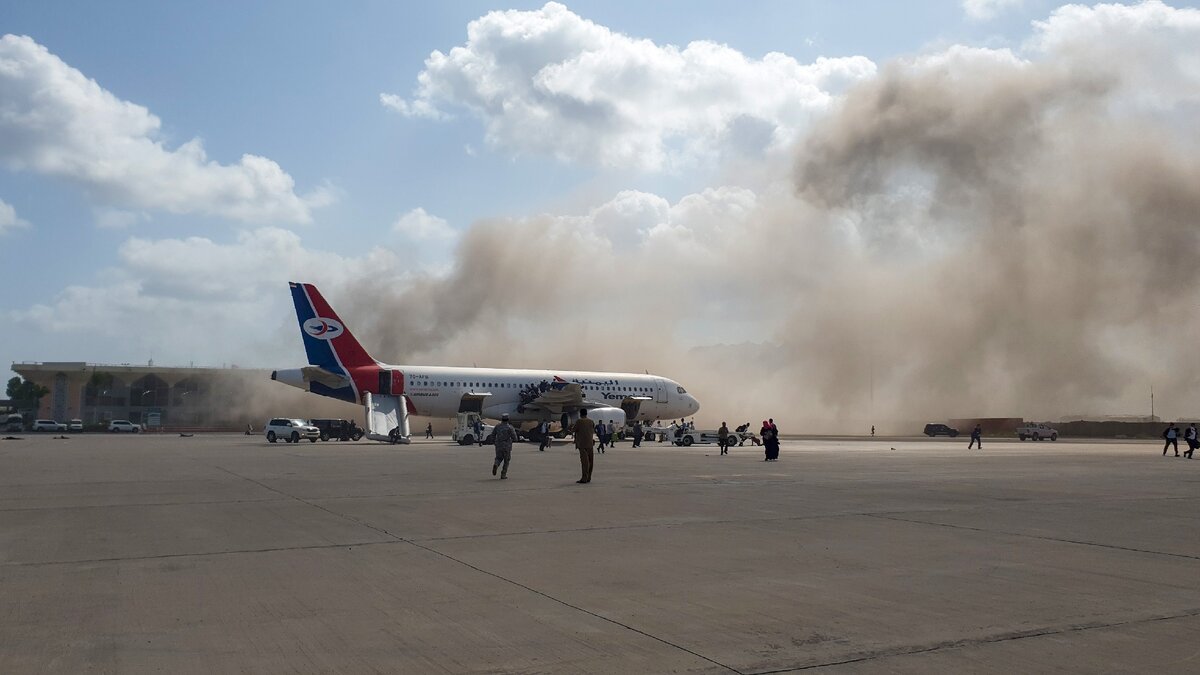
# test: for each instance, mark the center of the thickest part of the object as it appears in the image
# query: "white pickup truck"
(1036, 432)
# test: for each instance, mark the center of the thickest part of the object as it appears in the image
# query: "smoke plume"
(969, 233)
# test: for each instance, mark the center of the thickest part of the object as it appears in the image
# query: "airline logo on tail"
(322, 328)
(331, 346)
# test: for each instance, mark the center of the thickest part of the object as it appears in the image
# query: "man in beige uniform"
(585, 434)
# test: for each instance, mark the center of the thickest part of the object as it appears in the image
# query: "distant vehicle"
(117, 426)
(75, 426)
(1036, 432)
(48, 425)
(291, 430)
(339, 430)
(14, 422)
(932, 430)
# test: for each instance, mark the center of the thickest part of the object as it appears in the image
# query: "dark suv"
(932, 430)
(339, 430)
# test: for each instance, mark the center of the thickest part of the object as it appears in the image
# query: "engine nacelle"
(606, 415)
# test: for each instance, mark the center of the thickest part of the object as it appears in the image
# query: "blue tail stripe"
(320, 352)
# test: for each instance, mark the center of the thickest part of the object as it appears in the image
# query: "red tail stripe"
(362, 368)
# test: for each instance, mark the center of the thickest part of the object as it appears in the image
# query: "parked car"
(14, 422)
(339, 430)
(932, 430)
(75, 426)
(116, 426)
(291, 430)
(1036, 432)
(48, 425)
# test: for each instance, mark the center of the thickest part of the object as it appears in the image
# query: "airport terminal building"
(201, 398)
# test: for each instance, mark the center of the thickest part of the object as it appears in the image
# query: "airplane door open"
(391, 383)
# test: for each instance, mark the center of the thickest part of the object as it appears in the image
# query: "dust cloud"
(971, 233)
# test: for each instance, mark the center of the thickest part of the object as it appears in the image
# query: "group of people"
(769, 433)
(1190, 435)
(530, 392)
(605, 433)
(586, 433)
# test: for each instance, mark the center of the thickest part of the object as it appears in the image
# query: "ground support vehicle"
(291, 430)
(1036, 432)
(464, 431)
(338, 430)
(660, 434)
(693, 436)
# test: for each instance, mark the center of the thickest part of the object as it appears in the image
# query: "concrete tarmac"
(222, 553)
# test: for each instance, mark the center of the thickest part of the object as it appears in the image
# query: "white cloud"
(9, 219)
(196, 299)
(1149, 48)
(422, 226)
(56, 121)
(983, 10)
(552, 83)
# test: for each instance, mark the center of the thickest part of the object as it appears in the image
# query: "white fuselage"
(437, 391)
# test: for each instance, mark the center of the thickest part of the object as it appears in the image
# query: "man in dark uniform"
(504, 436)
(585, 438)
(976, 437)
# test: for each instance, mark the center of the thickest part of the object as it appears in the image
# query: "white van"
(14, 422)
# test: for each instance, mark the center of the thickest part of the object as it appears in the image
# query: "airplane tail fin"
(329, 343)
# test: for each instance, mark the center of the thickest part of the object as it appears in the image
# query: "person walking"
(429, 430)
(584, 430)
(600, 436)
(872, 431)
(637, 434)
(1172, 437)
(479, 431)
(544, 431)
(613, 434)
(504, 435)
(770, 439)
(976, 437)
(723, 438)
(1193, 440)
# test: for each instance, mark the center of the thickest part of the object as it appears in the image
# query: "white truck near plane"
(1036, 432)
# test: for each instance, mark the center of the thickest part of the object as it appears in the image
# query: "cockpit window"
(681, 390)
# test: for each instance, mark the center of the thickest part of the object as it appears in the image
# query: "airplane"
(339, 367)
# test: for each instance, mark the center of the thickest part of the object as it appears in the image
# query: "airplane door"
(660, 391)
(385, 382)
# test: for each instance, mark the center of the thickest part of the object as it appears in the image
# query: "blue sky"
(300, 85)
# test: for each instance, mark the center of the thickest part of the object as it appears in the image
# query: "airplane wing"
(318, 374)
(568, 396)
